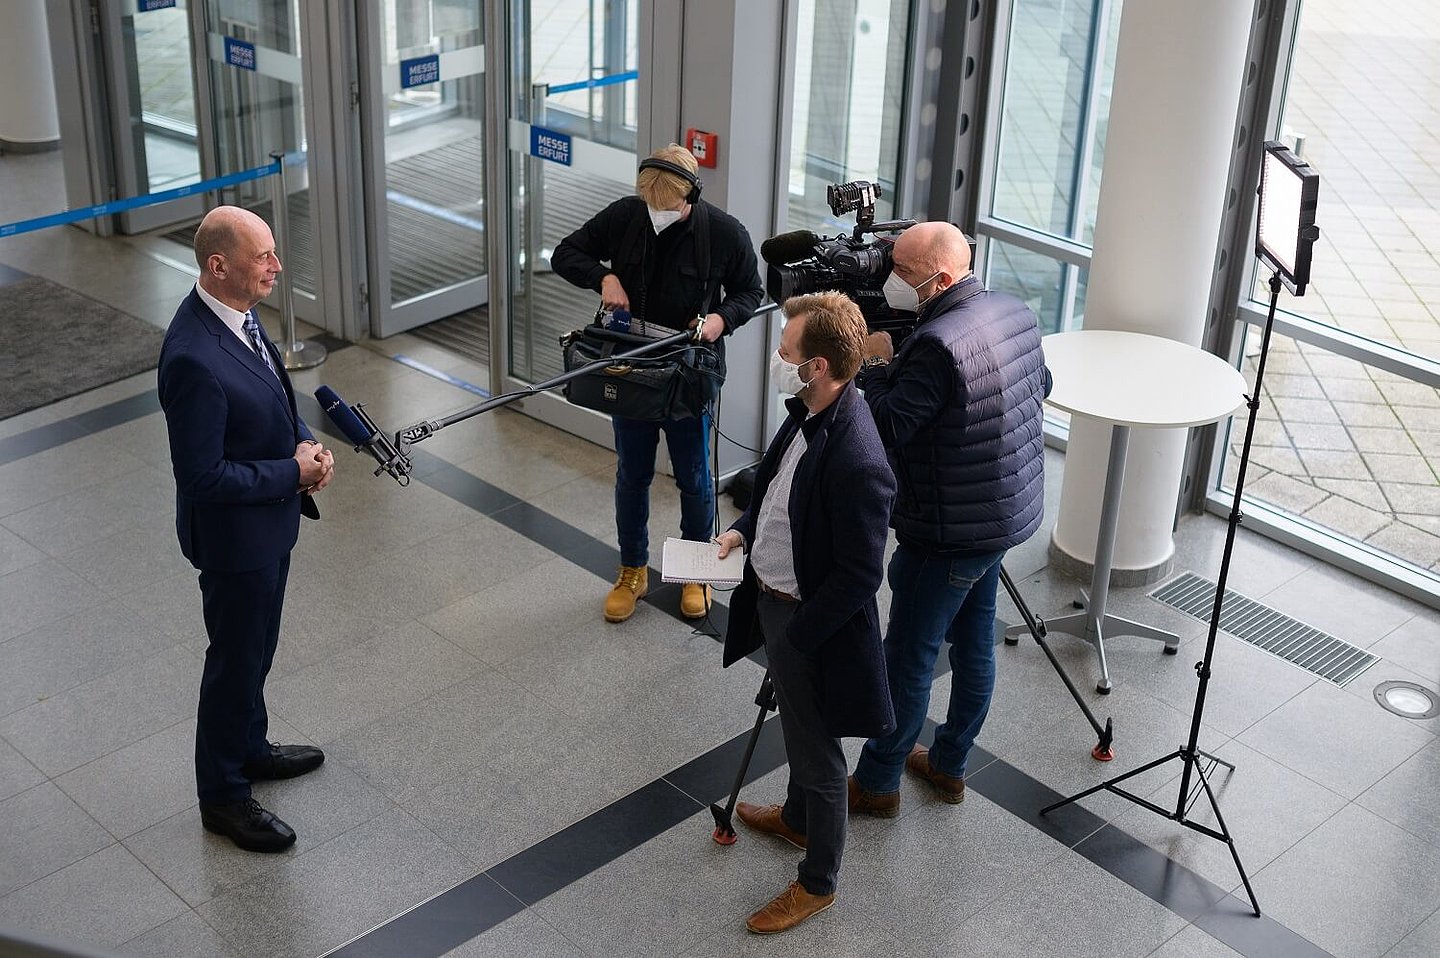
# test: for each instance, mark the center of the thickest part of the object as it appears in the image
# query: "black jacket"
(660, 273)
(959, 410)
(839, 505)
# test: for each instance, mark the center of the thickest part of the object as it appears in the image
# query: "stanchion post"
(296, 354)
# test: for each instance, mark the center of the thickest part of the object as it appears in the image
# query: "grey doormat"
(56, 343)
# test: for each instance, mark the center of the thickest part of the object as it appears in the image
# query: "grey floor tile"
(42, 831)
(1415, 645)
(1053, 913)
(104, 900)
(1257, 567)
(1338, 603)
(1336, 739)
(129, 562)
(1423, 942)
(527, 789)
(1363, 687)
(145, 497)
(184, 937)
(132, 788)
(80, 648)
(16, 774)
(446, 735)
(523, 936)
(1356, 885)
(330, 894)
(666, 896)
(540, 604)
(903, 878)
(40, 593)
(16, 553)
(359, 685)
(1191, 942)
(1267, 807)
(836, 931)
(198, 865)
(61, 470)
(1410, 796)
(88, 721)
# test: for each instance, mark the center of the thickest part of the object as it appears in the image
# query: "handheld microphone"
(789, 247)
(358, 428)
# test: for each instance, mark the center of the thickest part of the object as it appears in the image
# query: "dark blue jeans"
(935, 598)
(635, 443)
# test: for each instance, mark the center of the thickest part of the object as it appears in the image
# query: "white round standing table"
(1130, 380)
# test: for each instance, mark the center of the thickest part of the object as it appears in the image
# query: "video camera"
(802, 262)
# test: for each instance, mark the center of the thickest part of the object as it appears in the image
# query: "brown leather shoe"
(788, 909)
(951, 789)
(861, 802)
(767, 818)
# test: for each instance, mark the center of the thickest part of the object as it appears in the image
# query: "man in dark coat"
(664, 255)
(959, 411)
(245, 468)
(815, 532)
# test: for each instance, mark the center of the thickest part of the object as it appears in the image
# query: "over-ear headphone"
(653, 164)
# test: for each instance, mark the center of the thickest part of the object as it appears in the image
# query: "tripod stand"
(1189, 755)
(724, 833)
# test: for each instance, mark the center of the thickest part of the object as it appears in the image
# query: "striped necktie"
(252, 332)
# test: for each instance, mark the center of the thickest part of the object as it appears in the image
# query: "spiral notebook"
(685, 560)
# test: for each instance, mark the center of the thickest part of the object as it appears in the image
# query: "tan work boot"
(951, 789)
(694, 600)
(881, 805)
(788, 909)
(630, 586)
(767, 818)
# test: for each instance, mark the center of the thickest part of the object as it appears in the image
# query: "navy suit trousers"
(242, 619)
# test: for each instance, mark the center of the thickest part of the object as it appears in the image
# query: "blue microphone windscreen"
(342, 416)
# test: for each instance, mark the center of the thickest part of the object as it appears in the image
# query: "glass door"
(423, 99)
(572, 115)
(252, 94)
(152, 103)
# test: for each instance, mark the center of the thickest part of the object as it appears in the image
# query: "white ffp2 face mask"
(901, 295)
(661, 219)
(786, 375)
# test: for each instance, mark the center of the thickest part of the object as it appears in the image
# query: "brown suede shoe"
(766, 818)
(694, 600)
(630, 586)
(788, 909)
(951, 789)
(872, 803)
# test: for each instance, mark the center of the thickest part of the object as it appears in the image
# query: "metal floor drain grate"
(1265, 628)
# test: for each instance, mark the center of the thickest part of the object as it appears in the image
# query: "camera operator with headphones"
(669, 255)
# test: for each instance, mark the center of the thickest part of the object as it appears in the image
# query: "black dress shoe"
(283, 761)
(248, 825)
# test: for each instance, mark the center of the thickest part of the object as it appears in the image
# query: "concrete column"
(1179, 69)
(29, 122)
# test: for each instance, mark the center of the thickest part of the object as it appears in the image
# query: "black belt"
(775, 593)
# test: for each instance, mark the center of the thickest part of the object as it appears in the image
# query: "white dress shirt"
(772, 556)
(233, 319)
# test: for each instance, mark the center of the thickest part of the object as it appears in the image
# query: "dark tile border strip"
(117, 413)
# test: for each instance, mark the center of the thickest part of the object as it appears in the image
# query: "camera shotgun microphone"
(789, 247)
(357, 427)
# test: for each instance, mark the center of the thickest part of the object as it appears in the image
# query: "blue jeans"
(935, 598)
(635, 443)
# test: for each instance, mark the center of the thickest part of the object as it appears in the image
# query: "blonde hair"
(662, 189)
(834, 328)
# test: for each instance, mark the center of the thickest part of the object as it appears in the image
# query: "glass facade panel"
(849, 94)
(1345, 446)
(166, 96)
(1041, 282)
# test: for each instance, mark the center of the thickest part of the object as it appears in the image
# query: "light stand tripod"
(1189, 755)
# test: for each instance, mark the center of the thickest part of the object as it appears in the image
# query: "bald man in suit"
(246, 467)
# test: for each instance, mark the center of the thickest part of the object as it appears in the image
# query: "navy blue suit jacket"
(233, 432)
(839, 511)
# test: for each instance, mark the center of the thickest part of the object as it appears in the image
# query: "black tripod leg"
(1109, 782)
(724, 833)
(1036, 626)
(1229, 841)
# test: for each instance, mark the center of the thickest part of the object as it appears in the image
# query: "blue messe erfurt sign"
(418, 71)
(549, 145)
(240, 54)
(147, 5)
